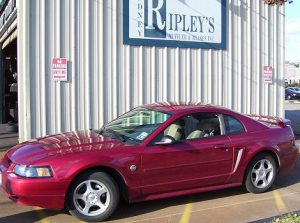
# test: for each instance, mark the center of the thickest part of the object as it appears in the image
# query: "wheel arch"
(267, 151)
(116, 175)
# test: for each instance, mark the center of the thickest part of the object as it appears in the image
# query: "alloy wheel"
(91, 198)
(262, 173)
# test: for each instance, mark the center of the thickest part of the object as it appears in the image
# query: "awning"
(10, 38)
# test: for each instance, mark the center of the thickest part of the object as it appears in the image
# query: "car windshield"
(294, 89)
(297, 89)
(136, 125)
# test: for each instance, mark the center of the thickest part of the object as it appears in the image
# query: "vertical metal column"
(2, 87)
(25, 46)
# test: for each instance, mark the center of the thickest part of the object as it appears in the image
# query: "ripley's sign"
(175, 23)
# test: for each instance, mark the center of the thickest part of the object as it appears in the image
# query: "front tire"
(93, 196)
(260, 174)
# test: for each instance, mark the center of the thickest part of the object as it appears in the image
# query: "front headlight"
(33, 171)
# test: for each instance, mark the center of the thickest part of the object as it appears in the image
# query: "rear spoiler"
(282, 122)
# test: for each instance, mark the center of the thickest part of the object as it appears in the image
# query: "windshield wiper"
(115, 135)
(101, 130)
(112, 134)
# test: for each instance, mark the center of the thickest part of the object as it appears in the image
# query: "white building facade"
(292, 74)
(112, 67)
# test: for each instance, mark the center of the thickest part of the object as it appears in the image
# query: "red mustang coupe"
(154, 151)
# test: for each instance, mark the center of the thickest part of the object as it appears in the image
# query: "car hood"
(294, 92)
(65, 144)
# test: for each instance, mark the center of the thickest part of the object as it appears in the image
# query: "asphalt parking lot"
(229, 205)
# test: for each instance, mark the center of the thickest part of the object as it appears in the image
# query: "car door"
(187, 163)
(240, 140)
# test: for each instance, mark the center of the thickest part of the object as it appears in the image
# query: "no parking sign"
(60, 69)
(268, 74)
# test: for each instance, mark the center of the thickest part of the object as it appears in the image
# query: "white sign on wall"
(60, 69)
(268, 74)
(175, 23)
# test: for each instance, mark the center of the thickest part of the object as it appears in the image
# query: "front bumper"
(296, 97)
(46, 193)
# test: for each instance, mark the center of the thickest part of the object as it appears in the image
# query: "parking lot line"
(218, 206)
(279, 202)
(185, 218)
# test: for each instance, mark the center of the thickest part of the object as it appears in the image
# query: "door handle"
(221, 146)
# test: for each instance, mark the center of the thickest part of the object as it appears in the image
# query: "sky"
(292, 37)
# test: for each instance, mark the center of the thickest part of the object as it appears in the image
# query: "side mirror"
(166, 140)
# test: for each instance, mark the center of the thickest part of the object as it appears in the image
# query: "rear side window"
(232, 125)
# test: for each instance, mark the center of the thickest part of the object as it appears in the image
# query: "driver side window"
(203, 125)
(176, 130)
(191, 127)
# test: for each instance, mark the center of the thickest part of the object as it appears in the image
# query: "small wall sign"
(60, 69)
(268, 74)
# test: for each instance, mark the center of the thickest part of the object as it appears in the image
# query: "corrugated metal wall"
(107, 78)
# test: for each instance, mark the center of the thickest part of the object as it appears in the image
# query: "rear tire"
(93, 196)
(260, 174)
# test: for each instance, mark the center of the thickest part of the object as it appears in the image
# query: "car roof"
(181, 107)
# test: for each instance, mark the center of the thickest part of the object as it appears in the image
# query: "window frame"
(237, 119)
(218, 114)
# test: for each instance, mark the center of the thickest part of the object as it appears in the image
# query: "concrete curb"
(292, 101)
(270, 219)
